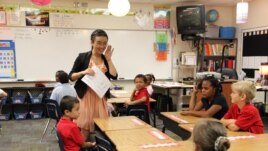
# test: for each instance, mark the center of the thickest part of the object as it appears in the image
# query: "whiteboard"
(40, 52)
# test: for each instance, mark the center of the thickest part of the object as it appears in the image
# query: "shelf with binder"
(216, 52)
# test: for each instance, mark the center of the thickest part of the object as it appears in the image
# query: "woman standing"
(91, 106)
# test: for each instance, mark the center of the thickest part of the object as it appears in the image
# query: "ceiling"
(206, 2)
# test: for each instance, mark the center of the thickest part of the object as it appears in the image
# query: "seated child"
(150, 79)
(243, 115)
(212, 103)
(210, 135)
(72, 138)
(140, 94)
(2, 93)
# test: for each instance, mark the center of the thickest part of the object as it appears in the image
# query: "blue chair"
(53, 112)
(140, 110)
(103, 144)
(61, 145)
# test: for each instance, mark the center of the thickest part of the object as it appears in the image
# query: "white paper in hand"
(98, 82)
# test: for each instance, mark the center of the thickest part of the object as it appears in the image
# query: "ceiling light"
(119, 7)
(241, 12)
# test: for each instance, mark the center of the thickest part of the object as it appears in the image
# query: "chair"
(53, 112)
(103, 144)
(230, 73)
(140, 110)
(61, 145)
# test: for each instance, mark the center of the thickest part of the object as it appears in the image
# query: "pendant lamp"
(241, 12)
(41, 2)
(119, 8)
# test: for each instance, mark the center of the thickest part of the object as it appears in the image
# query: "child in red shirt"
(140, 94)
(243, 115)
(71, 136)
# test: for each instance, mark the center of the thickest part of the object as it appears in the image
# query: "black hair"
(150, 78)
(98, 32)
(63, 76)
(67, 103)
(142, 76)
(214, 82)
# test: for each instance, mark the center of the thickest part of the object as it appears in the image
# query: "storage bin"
(18, 99)
(36, 100)
(5, 117)
(212, 32)
(36, 114)
(20, 115)
(227, 32)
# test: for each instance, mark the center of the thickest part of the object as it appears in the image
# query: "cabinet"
(211, 55)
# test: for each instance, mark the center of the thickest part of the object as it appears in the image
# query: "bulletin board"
(41, 51)
(7, 59)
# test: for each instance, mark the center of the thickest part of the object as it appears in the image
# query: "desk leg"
(173, 127)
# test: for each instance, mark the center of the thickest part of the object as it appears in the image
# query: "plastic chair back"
(53, 109)
(61, 145)
(103, 144)
(141, 111)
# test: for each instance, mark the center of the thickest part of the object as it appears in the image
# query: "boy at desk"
(71, 136)
(140, 94)
(243, 115)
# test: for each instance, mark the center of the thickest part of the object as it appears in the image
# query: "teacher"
(91, 105)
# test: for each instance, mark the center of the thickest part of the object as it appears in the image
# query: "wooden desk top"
(190, 127)
(136, 139)
(120, 123)
(120, 93)
(123, 100)
(171, 85)
(177, 117)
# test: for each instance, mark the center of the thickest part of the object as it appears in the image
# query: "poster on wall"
(7, 59)
(35, 18)
(161, 17)
(3, 20)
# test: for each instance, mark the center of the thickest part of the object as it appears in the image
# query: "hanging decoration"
(41, 2)
(241, 12)
(142, 18)
(119, 8)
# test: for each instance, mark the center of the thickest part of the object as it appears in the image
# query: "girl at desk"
(150, 79)
(212, 103)
(140, 94)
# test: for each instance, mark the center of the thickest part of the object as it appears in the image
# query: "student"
(212, 104)
(209, 135)
(2, 94)
(71, 136)
(140, 94)
(243, 115)
(64, 88)
(150, 79)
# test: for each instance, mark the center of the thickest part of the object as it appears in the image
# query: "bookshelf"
(212, 54)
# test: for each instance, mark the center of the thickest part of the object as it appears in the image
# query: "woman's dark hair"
(96, 33)
(215, 83)
(62, 76)
(150, 78)
(67, 103)
(142, 77)
(209, 135)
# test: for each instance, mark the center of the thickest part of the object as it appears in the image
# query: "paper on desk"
(98, 83)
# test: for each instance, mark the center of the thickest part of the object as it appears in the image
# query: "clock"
(212, 16)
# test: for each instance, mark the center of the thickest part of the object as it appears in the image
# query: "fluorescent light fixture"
(241, 12)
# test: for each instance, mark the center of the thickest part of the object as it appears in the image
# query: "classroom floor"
(24, 135)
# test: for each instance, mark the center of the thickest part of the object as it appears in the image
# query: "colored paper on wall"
(161, 56)
(7, 59)
(161, 37)
(161, 18)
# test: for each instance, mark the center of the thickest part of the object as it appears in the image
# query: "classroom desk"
(119, 123)
(123, 100)
(134, 139)
(167, 86)
(172, 119)
(120, 93)
(188, 128)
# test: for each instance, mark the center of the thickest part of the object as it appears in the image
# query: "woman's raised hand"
(108, 53)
